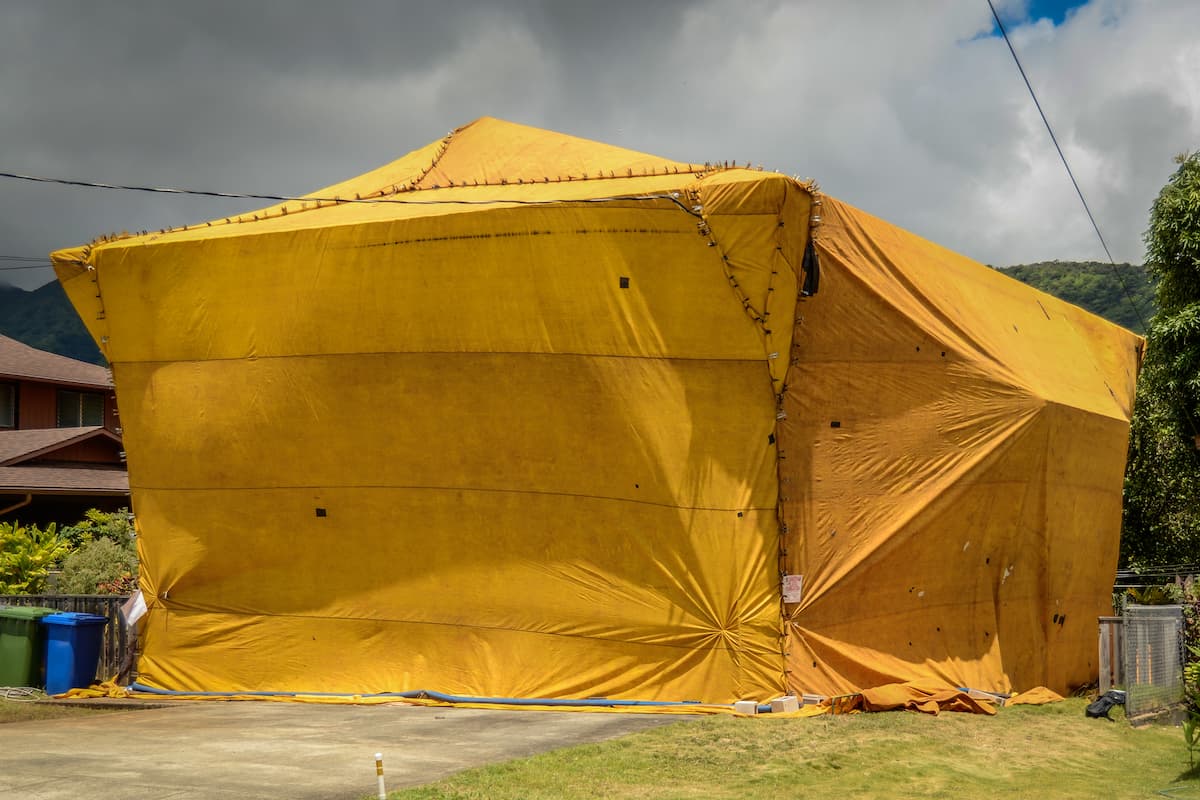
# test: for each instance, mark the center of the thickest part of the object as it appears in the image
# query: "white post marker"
(379, 775)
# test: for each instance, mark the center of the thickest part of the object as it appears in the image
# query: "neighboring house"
(60, 440)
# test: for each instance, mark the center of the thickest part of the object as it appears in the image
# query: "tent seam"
(481, 490)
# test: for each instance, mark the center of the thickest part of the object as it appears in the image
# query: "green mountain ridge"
(1124, 294)
(44, 318)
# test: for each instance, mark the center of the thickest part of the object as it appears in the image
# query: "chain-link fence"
(1153, 658)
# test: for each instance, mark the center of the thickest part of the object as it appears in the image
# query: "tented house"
(523, 415)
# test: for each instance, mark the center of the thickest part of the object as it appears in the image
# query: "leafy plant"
(1190, 599)
(125, 583)
(1191, 736)
(100, 566)
(1165, 595)
(27, 553)
(1191, 686)
(1189, 590)
(1191, 677)
(114, 525)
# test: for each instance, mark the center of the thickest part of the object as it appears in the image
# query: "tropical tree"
(1162, 481)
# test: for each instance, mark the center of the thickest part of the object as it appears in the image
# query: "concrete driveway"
(248, 750)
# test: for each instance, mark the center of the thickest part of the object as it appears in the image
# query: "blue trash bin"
(73, 641)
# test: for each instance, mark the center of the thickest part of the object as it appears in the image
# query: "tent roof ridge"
(692, 170)
(417, 182)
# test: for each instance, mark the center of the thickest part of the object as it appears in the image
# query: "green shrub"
(100, 566)
(1189, 590)
(115, 525)
(26, 555)
(1165, 595)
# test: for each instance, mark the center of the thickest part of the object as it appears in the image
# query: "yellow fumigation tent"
(524, 415)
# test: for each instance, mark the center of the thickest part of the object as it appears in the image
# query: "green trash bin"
(21, 645)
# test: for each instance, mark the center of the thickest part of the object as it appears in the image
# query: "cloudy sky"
(910, 109)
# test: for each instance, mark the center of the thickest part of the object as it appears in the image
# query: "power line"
(1070, 174)
(157, 189)
(672, 196)
(42, 265)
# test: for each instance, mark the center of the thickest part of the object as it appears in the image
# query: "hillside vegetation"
(1096, 287)
(44, 318)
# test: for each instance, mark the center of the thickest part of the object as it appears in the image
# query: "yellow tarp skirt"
(522, 415)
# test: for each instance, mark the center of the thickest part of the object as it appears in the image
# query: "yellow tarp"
(523, 415)
(1037, 696)
(956, 445)
(928, 699)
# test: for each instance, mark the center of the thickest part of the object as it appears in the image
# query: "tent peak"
(491, 151)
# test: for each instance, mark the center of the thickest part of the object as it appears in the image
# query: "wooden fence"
(116, 653)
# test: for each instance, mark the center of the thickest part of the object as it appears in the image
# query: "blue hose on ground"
(533, 701)
(425, 694)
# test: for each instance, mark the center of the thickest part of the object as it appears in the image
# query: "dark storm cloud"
(917, 117)
(276, 97)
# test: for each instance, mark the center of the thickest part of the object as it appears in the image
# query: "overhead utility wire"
(1156, 575)
(156, 189)
(1070, 174)
(41, 265)
(14, 263)
(672, 196)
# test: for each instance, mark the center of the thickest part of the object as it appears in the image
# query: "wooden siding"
(37, 405)
(93, 451)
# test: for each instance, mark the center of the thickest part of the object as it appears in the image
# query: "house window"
(80, 409)
(8, 405)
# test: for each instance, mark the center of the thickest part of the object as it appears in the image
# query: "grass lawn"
(14, 711)
(1024, 751)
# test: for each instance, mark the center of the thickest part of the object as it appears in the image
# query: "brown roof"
(63, 480)
(19, 360)
(18, 446)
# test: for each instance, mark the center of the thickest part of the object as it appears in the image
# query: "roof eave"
(94, 433)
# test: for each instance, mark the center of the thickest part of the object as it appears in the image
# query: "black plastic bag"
(1104, 704)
